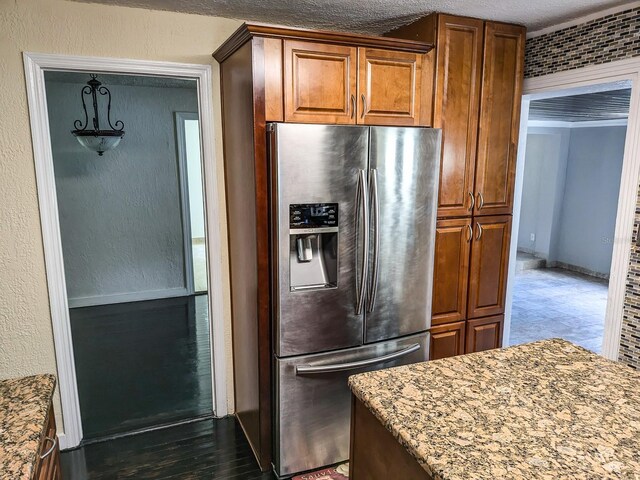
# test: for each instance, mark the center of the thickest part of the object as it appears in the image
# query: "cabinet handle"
(364, 105)
(480, 201)
(54, 442)
(479, 231)
(470, 237)
(473, 201)
(353, 105)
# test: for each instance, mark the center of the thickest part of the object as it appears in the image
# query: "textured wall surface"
(594, 166)
(120, 214)
(58, 26)
(544, 178)
(602, 40)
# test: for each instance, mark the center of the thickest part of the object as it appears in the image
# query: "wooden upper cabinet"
(447, 340)
(451, 270)
(319, 82)
(489, 265)
(389, 87)
(457, 98)
(499, 118)
(484, 334)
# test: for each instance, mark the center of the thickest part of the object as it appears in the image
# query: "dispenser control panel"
(313, 215)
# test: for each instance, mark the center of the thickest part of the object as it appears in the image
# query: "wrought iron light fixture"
(95, 139)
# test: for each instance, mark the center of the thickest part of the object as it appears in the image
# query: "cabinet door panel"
(389, 87)
(447, 340)
(484, 334)
(457, 94)
(489, 265)
(451, 270)
(319, 82)
(499, 118)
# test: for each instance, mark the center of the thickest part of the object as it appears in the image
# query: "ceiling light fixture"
(95, 139)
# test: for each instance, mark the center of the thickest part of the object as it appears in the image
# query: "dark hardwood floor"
(206, 449)
(142, 364)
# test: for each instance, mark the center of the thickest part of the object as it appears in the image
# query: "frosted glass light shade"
(100, 142)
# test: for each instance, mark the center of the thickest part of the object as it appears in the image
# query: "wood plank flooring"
(142, 364)
(206, 449)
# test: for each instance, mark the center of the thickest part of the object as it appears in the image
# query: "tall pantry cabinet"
(476, 102)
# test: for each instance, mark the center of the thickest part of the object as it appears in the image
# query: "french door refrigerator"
(354, 215)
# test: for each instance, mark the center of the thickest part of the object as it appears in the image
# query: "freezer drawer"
(312, 404)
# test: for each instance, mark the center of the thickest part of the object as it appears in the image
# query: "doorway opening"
(131, 222)
(570, 187)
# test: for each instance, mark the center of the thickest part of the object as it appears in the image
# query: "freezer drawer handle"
(337, 367)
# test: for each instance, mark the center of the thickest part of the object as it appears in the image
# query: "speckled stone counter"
(24, 403)
(544, 410)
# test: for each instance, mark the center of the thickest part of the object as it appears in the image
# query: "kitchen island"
(544, 410)
(28, 443)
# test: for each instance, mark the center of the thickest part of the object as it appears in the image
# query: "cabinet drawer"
(447, 340)
(484, 334)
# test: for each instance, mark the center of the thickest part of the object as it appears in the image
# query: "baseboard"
(127, 297)
(577, 269)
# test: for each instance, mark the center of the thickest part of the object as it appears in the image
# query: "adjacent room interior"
(132, 225)
(573, 161)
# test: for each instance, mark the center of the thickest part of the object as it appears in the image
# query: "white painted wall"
(590, 200)
(544, 178)
(120, 214)
(570, 195)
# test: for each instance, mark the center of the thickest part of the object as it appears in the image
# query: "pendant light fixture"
(95, 139)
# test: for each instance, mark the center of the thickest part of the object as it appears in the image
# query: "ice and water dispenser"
(313, 246)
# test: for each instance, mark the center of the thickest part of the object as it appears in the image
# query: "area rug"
(339, 472)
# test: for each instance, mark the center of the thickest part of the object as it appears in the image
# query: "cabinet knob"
(364, 105)
(480, 200)
(473, 201)
(353, 105)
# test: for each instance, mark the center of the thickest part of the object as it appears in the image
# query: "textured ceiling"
(377, 16)
(609, 105)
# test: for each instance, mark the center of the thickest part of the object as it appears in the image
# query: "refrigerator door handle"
(362, 213)
(337, 367)
(375, 205)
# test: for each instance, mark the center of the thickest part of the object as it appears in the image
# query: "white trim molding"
(547, 86)
(35, 65)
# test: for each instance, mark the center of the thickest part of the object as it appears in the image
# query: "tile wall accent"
(602, 40)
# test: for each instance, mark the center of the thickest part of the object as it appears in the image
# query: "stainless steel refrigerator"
(353, 239)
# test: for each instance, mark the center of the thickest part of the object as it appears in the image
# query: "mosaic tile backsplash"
(602, 40)
(611, 37)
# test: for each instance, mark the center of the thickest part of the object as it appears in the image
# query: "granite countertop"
(543, 410)
(24, 404)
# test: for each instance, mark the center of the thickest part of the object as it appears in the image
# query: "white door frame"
(549, 86)
(35, 65)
